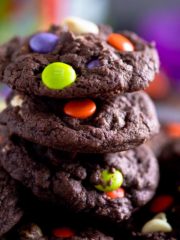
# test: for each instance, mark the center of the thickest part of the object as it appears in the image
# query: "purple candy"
(43, 42)
(93, 63)
(4, 90)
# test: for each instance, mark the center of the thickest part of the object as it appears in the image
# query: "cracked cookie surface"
(10, 212)
(116, 71)
(70, 180)
(119, 123)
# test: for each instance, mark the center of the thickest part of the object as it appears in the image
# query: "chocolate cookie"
(85, 182)
(166, 225)
(95, 65)
(44, 222)
(34, 232)
(10, 212)
(117, 124)
(6, 52)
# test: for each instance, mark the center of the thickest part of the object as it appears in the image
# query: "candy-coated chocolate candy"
(159, 88)
(119, 193)
(58, 75)
(63, 232)
(161, 203)
(43, 42)
(110, 180)
(173, 130)
(93, 64)
(80, 108)
(120, 42)
(80, 26)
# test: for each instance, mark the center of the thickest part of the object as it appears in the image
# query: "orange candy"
(119, 193)
(63, 232)
(173, 130)
(161, 203)
(120, 42)
(80, 108)
(160, 87)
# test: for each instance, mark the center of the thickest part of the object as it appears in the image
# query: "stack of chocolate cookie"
(75, 123)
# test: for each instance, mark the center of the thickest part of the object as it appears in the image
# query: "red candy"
(63, 232)
(120, 42)
(80, 108)
(119, 193)
(161, 203)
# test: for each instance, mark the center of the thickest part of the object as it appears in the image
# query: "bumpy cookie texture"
(10, 212)
(155, 236)
(6, 52)
(33, 232)
(168, 192)
(54, 177)
(114, 71)
(118, 124)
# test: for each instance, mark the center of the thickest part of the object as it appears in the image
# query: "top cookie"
(6, 52)
(87, 61)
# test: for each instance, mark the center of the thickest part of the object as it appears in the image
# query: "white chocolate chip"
(31, 232)
(3, 105)
(5, 149)
(16, 101)
(80, 26)
(157, 224)
(161, 216)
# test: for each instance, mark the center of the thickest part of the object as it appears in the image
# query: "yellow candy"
(58, 75)
(111, 181)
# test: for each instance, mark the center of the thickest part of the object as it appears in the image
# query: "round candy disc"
(110, 181)
(43, 42)
(119, 193)
(80, 108)
(93, 64)
(63, 232)
(58, 75)
(120, 42)
(161, 203)
(173, 130)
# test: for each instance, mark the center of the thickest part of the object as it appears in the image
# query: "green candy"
(111, 181)
(58, 75)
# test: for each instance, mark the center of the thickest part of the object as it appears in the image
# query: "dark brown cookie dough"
(167, 199)
(115, 72)
(71, 181)
(155, 236)
(118, 124)
(6, 52)
(34, 232)
(10, 212)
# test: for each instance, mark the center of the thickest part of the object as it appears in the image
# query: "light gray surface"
(167, 113)
(127, 13)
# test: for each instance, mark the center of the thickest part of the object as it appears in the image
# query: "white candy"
(16, 101)
(157, 224)
(32, 232)
(80, 26)
(3, 105)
